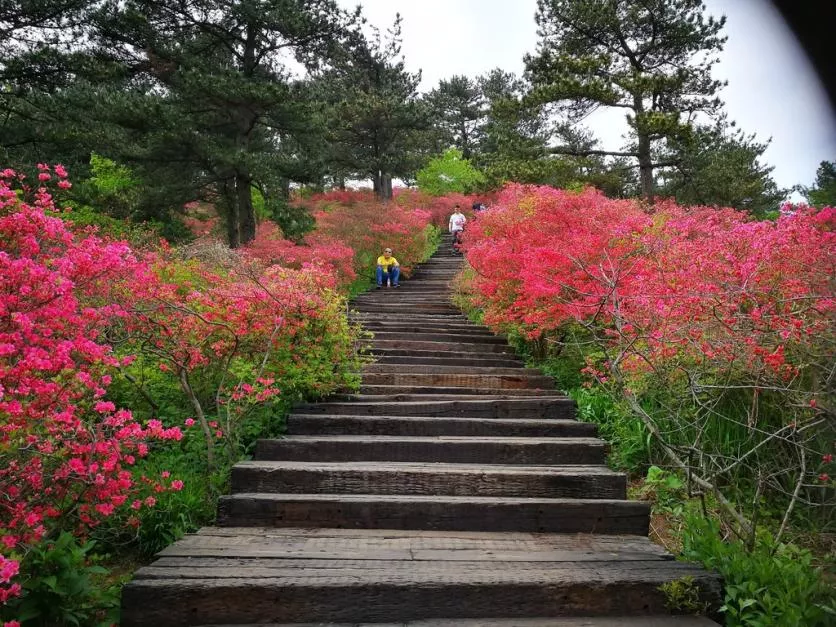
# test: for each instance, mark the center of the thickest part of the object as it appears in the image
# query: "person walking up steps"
(388, 268)
(456, 226)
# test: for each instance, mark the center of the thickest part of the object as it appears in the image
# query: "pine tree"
(652, 59)
(458, 108)
(200, 97)
(823, 192)
(719, 165)
(375, 117)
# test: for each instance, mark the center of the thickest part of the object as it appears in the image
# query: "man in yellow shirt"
(387, 268)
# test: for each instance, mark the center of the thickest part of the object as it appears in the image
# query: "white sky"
(773, 90)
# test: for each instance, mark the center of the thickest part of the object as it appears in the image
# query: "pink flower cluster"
(672, 289)
(65, 451)
(700, 282)
(321, 256)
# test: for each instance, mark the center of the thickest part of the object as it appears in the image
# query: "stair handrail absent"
(456, 487)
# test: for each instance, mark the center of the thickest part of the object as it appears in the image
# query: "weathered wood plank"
(519, 380)
(428, 539)
(311, 424)
(435, 512)
(554, 407)
(369, 595)
(619, 621)
(456, 546)
(429, 478)
(384, 356)
(472, 450)
(300, 571)
(377, 368)
(418, 390)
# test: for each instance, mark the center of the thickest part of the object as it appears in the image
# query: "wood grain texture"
(454, 449)
(620, 621)
(385, 593)
(428, 479)
(556, 407)
(382, 511)
(309, 424)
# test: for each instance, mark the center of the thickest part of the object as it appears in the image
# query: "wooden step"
(505, 381)
(554, 407)
(453, 449)
(402, 296)
(451, 346)
(388, 309)
(457, 394)
(443, 359)
(449, 390)
(417, 317)
(587, 621)
(310, 424)
(427, 326)
(451, 513)
(382, 368)
(258, 575)
(446, 338)
(290, 477)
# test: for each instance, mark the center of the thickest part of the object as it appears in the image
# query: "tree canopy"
(651, 59)
(224, 102)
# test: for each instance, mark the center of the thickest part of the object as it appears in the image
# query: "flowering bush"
(233, 335)
(715, 330)
(66, 451)
(88, 326)
(369, 227)
(320, 255)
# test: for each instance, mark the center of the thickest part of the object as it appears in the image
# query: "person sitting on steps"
(387, 268)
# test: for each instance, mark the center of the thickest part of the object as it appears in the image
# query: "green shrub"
(665, 489)
(449, 173)
(682, 596)
(63, 585)
(629, 438)
(772, 585)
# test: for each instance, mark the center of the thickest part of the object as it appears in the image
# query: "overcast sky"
(773, 90)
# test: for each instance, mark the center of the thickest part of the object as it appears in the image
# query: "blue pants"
(382, 275)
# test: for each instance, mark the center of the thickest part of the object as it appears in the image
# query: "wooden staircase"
(456, 488)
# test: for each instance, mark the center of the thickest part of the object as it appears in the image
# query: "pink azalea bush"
(689, 314)
(67, 452)
(439, 207)
(232, 336)
(317, 254)
(86, 323)
(367, 227)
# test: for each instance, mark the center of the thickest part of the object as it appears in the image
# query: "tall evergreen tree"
(515, 133)
(720, 165)
(458, 109)
(652, 59)
(375, 116)
(516, 143)
(823, 192)
(196, 94)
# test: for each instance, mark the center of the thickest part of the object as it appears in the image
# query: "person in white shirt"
(456, 226)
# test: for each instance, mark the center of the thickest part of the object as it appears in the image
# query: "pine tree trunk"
(246, 211)
(284, 189)
(645, 167)
(382, 186)
(376, 184)
(232, 221)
